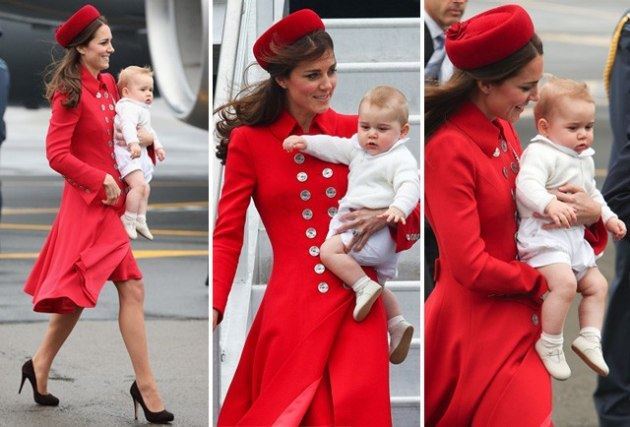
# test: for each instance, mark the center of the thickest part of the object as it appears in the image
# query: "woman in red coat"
(301, 363)
(87, 244)
(483, 317)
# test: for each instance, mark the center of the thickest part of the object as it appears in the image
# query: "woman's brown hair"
(441, 101)
(261, 103)
(64, 75)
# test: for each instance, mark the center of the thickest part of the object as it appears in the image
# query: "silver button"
(305, 195)
(111, 107)
(322, 287)
(307, 214)
(332, 211)
(319, 268)
(496, 152)
(302, 176)
(311, 233)
(535, 319)
(298, 158)
(505, 171)
(503, 145)
(327, 173)
(331, 192)
(98, 95)
(313, 251)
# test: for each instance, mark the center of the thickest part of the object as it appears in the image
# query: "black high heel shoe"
(28, 372)
(162, 417)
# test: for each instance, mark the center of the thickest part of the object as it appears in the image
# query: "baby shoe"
(590, 351)
(143, 228)
(365, 298)
(130, 228)
(400, 336)
(554, 361)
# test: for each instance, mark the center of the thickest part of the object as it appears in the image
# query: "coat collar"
(90, 83)
(285, 125)
(485, 133)
(589, 152)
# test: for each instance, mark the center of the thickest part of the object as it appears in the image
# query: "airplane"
(171, 36)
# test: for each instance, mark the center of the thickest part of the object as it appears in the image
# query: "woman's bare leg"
(59, 328)
(131, 323)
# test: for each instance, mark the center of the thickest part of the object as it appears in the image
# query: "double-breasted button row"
(307, 214)
(302, 176)
(313, 251)
(322, 287)
(311, 233)
(319, 268)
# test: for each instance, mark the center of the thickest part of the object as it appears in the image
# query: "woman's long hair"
(261, 103)
(441, 101)
(64, 75)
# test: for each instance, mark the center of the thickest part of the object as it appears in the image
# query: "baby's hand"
(161, 154)
(294, 142)
(134, 148)
(393, 214)
(616, 227)
(561, 213)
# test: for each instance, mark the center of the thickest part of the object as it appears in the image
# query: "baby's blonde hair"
(555, 89)
(390, 98)
(126, 74)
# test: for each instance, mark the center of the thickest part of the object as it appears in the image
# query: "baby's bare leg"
(593, 287)
(562, 288)
(334, 257)
(138, 193)
(392, 307)
(144, 203)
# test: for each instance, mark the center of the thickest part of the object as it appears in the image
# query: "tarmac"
(92, 373)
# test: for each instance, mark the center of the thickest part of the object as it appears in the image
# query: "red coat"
(483, 317)
(305, 360)
(87, 244)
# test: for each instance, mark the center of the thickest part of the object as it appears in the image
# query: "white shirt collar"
(542, 139)
(133, 101)
(434, 29)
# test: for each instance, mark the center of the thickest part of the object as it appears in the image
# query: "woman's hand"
(145, 137)
(364, 223)
(112, 190)
(215, 319)
(586, 209)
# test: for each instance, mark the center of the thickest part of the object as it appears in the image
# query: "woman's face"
(310, 86)
(95, 54)
(508, 99)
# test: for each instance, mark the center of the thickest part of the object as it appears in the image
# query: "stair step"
(382, 39)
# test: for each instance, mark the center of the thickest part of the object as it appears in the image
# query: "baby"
(135, 85)
(383, 174)
(561, 153)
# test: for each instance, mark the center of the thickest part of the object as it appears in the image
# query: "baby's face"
(140, 88)
(378, 130)
(571, 124)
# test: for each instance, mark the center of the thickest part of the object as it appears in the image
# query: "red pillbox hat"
(83, 17)
(286, 31)
(488, 37)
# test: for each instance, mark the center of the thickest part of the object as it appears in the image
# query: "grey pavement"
(92, 373)
(576, 37)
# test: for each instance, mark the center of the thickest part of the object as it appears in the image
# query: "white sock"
(360, 284)
(394, 321)
(591, 333)
(131, 215)
(551, 341)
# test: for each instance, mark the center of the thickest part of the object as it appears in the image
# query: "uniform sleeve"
(452, 207)
(406, 184)
(63, 123)
(238, 187)
(128, 119)
(332, 149)
(535, 168)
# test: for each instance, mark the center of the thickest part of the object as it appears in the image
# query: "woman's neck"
(90, 70)
(303, 118)
(478, 99)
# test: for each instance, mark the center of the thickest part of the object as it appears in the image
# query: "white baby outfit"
(379, 181)
(546, 166)
(131, 114)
